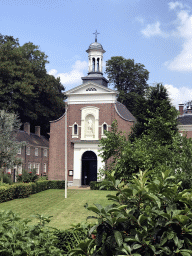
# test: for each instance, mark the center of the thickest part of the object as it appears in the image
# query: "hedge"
(23, 190)
(95, 185)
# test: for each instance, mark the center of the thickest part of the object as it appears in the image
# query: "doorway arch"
(89, 167)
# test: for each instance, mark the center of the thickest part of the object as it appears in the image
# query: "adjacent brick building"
(35, 154)
(91, 109)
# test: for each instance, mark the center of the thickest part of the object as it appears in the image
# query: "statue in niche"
(89, 131)
(90, 125)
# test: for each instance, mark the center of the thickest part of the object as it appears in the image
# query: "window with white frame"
(75, 131)
(37, 168)
(44, 168)
(104, 128)
(29, 166)
(36, 151)
(45, 152)
(19, 151)
(34, 166)
(28, 151)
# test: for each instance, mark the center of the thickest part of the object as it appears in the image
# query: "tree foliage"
(9, 125)
(157, 116)
(25, 86)
(130, 79)
(152, 151)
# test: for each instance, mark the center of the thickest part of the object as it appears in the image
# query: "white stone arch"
(90, 111)
(79, 150)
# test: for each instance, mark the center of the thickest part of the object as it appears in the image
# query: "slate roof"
(124, 112)
(32, 139)
(185, 119)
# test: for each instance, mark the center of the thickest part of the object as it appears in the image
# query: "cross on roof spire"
(96, 33)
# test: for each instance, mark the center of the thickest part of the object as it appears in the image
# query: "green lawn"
(52, 202)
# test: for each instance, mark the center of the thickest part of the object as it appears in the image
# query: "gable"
(90, 87)
(91, 93)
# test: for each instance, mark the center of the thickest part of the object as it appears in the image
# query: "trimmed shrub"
(41, 185)
(97, 185)
(56, 184)
(6, 193)
(22, 190)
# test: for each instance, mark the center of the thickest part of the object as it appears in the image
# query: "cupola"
(95, 68)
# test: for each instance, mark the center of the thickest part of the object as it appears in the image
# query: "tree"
(130, 79)
(25, 86)
(157, 116)
(154, 143)
(9, 125)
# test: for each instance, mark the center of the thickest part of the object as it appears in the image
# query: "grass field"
(52, 202)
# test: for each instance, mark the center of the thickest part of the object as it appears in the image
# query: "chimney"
(27, 128)
(37, 130)
(181, 109)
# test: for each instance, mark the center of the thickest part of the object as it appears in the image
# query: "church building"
(91, 109)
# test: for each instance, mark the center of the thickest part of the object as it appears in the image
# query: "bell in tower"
(95, 56)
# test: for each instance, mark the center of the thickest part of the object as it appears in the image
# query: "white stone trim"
(184, 128)
(94, 112)
(73, 134)
(102, 131)
(79, 150)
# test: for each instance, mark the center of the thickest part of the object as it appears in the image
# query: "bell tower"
(95, 68)
(95, 56)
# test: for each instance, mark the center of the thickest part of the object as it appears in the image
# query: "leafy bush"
(18, 238)
(147, 217)
(6, 178)
(70, 238)
(27, 177)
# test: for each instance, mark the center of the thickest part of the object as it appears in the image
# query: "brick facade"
(107, 114)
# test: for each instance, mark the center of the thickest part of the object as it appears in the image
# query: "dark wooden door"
(89, 167)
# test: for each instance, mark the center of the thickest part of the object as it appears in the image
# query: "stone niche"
(90, 123)
(89, 127)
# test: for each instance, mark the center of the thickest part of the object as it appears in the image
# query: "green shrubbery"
(6, 178)
(23, 190)
(149, 216)
(18, 238)
(96, 185)
(27, 177)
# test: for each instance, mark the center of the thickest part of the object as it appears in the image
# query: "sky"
(157, 34)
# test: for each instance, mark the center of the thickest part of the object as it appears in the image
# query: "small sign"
(70, 172)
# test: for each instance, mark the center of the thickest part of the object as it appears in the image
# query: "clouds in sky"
(182, 30)
(153, 30)
(73, 77)
(178, 95)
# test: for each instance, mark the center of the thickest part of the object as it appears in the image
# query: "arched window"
(97, 64)
(75, 129)
(93, 64)
(75, 132)
(104, 128)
